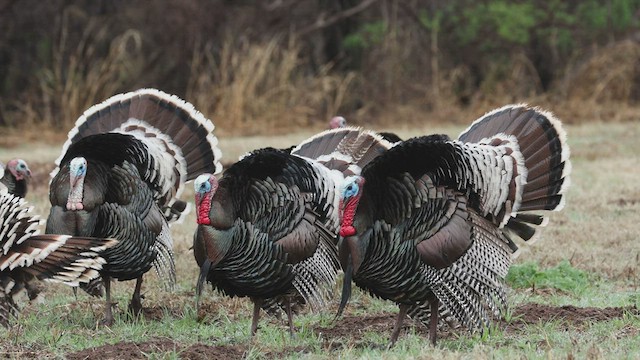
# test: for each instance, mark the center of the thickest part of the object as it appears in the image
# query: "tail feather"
(8, 309)
(94, 287)
(347, 150)
(62, 258)
(164, 262)
(187, 127)
(315, 276)
(549, 203)
(179, 137)
(543, 145)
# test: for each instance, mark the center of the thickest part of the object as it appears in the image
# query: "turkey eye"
(349, 187)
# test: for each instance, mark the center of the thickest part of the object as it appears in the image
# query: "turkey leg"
(290, 316)
(108, 313)
(396, 330)
(257, 303)
(136, 303)
(433, 321)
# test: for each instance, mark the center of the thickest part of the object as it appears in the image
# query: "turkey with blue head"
(16, 177)
(120, 174)
(267, 229)
(433, 223)
(27, 256)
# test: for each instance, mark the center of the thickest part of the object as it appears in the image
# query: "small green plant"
(369, 35)
(563, 277)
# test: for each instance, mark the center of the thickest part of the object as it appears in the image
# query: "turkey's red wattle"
(348, 212)
(203, 206)
(347, 231)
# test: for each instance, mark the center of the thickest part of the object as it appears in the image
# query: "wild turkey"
(17, 178)
(268, 229)
(337, 122)
(436, 220)
(120, 173)
(26, 256)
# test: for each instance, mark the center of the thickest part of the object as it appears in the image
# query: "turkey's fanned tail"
(542, 143)
(179, 140)
(347, 150)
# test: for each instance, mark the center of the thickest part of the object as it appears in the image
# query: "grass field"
(575, 292)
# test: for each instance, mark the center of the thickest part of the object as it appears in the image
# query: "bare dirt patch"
(141, 350)
(157, 313)
(568, 315)
(21, 352)
(352, 328)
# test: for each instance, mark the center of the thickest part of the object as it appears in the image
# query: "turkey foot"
(108, 314)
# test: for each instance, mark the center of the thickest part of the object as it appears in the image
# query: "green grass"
(562, 277)
(587, 257)
(62, 325)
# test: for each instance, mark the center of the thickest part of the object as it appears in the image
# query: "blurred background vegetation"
(268, 66)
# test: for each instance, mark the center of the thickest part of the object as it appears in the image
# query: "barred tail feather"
(186, 126)
(316, 276)
(94, 287)
(164, 263)
(64, 259)
(347, 150)
(471, 293)
(171, 127)
(542, 142)
(8, 309)
(57, 258)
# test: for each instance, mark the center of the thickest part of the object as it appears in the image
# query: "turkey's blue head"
(350, 196)
(19, 169)
(205, 187)
(337, 122)
(77, 173)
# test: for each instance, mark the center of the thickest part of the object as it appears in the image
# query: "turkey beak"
(25, 174)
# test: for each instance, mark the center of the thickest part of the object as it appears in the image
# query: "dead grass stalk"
(253, 88)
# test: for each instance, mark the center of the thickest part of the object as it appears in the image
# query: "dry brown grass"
(269, 87)
(608, 75)
(261, 88)
(80, 74)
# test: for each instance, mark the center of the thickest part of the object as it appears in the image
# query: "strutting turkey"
(120, 173)
(17, 178)
(340, 122)
(435, 221)
(267, 229)
(26, 256)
